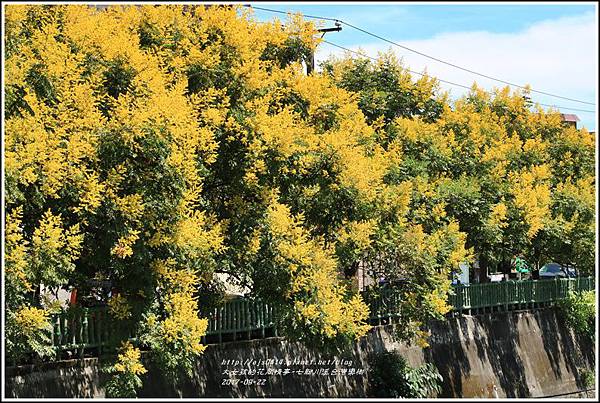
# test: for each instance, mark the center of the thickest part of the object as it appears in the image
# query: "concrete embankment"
(514, 354)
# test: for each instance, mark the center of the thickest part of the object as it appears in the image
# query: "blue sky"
(552, 47)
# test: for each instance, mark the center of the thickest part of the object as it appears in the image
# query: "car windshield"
(551, 268)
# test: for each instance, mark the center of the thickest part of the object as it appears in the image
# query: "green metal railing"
(86, 328)
(241, 317)
(515, 293)
(385, 304)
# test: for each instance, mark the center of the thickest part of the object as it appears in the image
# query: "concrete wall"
(517, 354)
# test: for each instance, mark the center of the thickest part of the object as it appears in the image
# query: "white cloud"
(556, 56)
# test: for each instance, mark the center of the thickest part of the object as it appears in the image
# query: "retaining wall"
(514, 354)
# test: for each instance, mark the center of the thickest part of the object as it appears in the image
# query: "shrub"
(29, 331)
(126, 373)
(579, 311)
(588, 378)
(392, 376)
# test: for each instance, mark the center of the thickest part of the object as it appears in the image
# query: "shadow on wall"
(73, 378)
(561, 343)
(474, 340)
(449, 356)
(501, 348)
(211, 380)
(522, 354)
(478, 347)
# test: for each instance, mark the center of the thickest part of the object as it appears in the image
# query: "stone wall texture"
(514, 354)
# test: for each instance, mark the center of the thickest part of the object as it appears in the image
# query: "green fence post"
(100, 330)
(261, 318)
(56, 340)
(249, 321)
(506, 296)
(228, 318)
(520, 300)
(236, 317)
(219, 322)
(274, 319)
(72, 329)
(237, 308)
(92, 327)
(83, 328)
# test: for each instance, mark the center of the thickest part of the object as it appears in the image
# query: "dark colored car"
(555, 270)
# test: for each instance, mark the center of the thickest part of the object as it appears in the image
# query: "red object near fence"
(73, 299)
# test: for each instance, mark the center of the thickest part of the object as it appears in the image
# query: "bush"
(29, 331)
(125, 380)
(391, 376)
(579, 311)
(588, 378)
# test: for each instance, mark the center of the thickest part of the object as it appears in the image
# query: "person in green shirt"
(520, 266)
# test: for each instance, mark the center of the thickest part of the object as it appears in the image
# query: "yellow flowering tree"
(154, 146)
(126, 373)
(147, 146)
(106, 152)
(500, 167)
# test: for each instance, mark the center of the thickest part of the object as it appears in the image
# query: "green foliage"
(386, 90)
(122, 385)
(28, 331)
(125, 380)
(391, 376)
(514, 178)
(172, 358)
(148, 150)
(424, 381)
(588, 378)
(579, 312)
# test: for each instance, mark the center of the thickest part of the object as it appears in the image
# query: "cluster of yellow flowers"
(54, 249)
(195, 234)
(358, 232)
(131, 206)
(31, 320)
(317, 299)
(498, 215)
(182, 323)
(421, 337)
(15, 258)
(123, 248)
(438, 300)
(578, 190)
(50, 236)
(532, 192)
(91, 193)
(128, 360)
(119, 307)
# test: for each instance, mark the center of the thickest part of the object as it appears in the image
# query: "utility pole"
(310, 66)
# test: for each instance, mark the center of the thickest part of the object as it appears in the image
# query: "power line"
(463, 68)
(421, 74)
(285, 12)
(446, 81)
(564, 107)
(428, 56)
(410, 71)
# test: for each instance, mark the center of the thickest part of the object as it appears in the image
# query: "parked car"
(555, 270)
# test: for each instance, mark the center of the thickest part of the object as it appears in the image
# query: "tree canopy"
(514, 177)
(155, 146)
